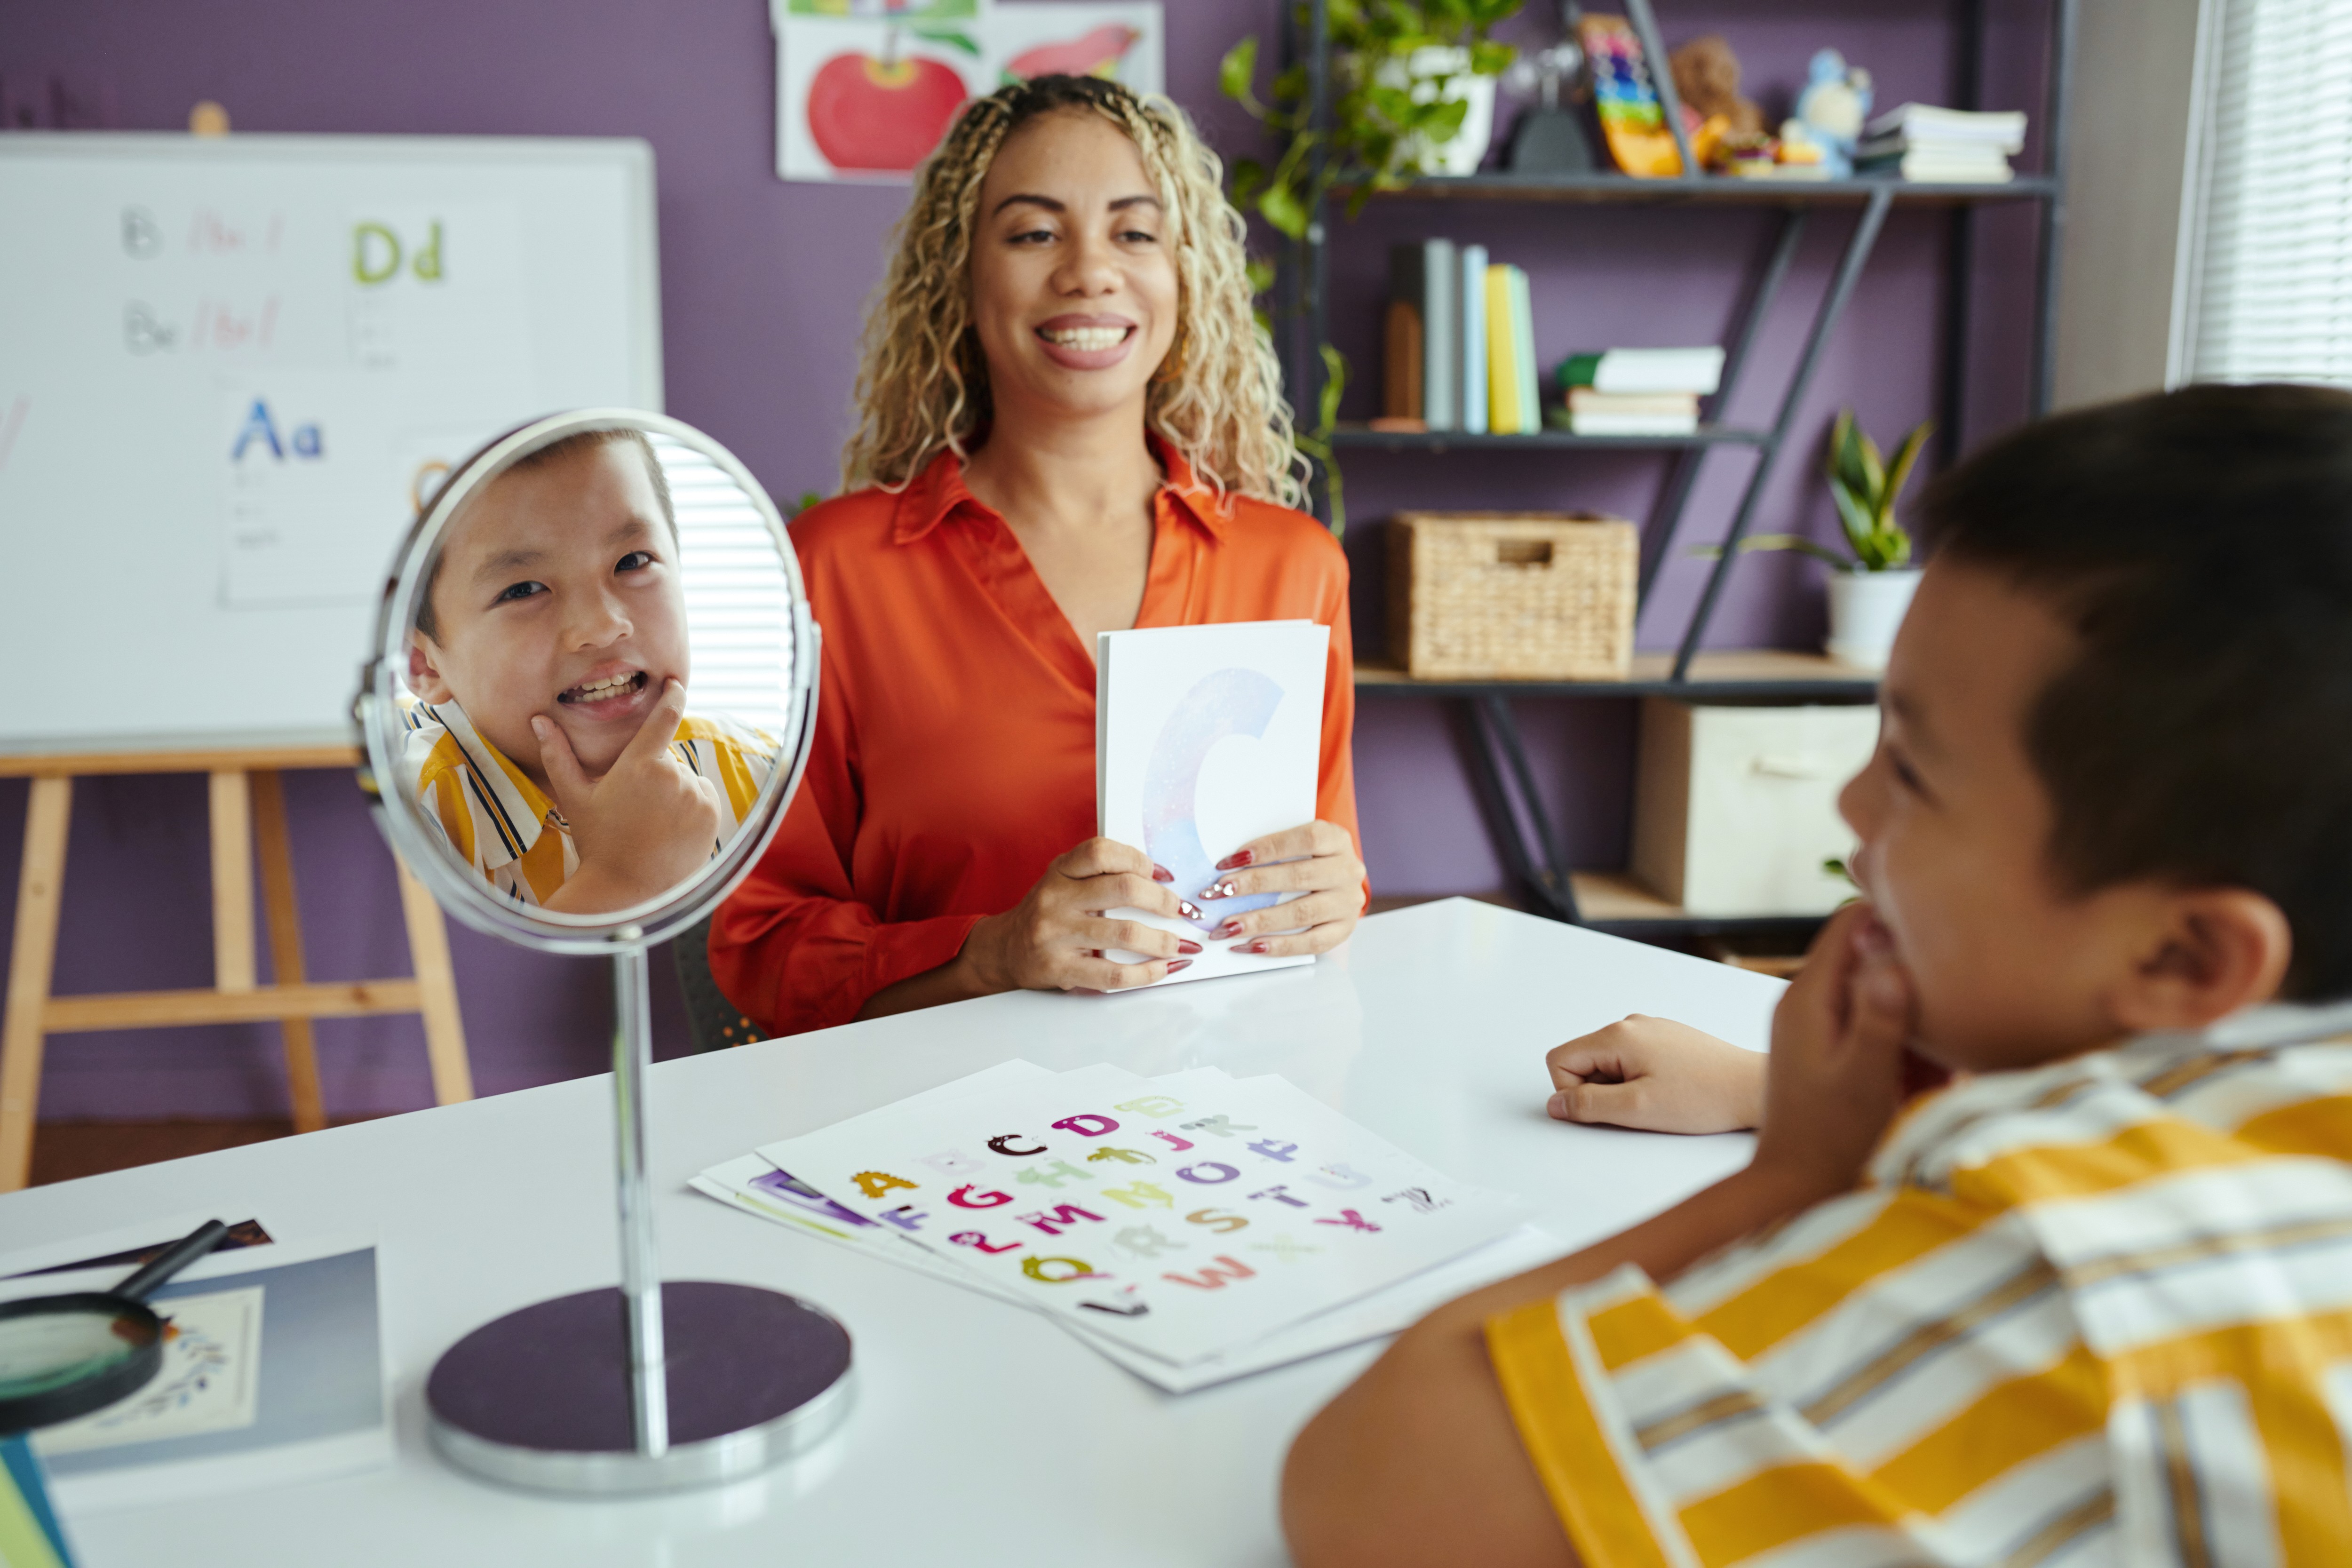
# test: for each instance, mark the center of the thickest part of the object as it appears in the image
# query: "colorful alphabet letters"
(1053, 1189)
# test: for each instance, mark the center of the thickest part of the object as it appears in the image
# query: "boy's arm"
(1420, 1461)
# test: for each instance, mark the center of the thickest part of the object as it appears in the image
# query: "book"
(1502, 356)
(1167, 701)
(1523, 352)
(1441, 326)
(274, 1374)
(1667, 405)
(1940, 166)
(1404, 395)
(1615, 424)
(1470, 367)
(2002, 129)
(1694, 370)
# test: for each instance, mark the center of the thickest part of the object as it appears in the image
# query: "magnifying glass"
(63, 1356)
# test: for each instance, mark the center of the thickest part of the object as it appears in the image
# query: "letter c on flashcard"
(1036, 1268)
(1186, 1173)
(1088, 1125)
(964, 1197)
(999, 1145)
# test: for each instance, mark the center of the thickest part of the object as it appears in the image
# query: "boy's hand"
(643, 829)
(1836, 1072)
(1659, 1076)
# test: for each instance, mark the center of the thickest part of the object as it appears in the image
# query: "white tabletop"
(982, 1432)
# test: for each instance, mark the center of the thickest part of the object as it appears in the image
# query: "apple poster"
(867, 88)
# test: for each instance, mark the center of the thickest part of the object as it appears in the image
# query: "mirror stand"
(641, 1389)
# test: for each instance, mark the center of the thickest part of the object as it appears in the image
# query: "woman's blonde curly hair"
(922, 384)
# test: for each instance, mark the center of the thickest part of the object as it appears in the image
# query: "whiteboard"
(228, 369)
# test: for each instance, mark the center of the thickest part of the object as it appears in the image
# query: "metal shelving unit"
(1523, 829)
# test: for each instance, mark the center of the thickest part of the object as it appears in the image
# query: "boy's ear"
(425, 669)
(2215, 950)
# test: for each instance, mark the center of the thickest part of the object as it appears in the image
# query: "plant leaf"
(1796, 543)
(1854, 517)
(1284, 210)
(1899, 472)
(1237, 70)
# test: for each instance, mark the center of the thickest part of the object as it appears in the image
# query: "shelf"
(1723, 190)
(1613, 900)
(1364, 436)
(1752, 674)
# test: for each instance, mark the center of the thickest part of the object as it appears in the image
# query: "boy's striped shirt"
(505, 826)
(2100, 1311)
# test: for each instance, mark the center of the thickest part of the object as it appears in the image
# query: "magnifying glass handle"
(174, 1258)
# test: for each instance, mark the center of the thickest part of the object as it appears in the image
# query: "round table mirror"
(587, 702)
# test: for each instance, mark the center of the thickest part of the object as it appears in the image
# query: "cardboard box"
(1736, 808)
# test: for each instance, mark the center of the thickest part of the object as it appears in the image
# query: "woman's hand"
(1317, 860)
(1656, 1075)
(1054, 940)
(1837, 1072)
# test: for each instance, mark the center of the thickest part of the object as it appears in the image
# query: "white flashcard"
(1206, 737)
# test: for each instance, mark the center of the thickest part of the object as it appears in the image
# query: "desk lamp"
(538, 611)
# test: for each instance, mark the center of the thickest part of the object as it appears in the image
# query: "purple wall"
(763, 284)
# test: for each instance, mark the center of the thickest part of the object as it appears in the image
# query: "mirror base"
(539, 1398)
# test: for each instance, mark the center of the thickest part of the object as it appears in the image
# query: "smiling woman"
(1069, 423)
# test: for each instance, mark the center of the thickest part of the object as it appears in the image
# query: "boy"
(2092, 1303)
(550, 651)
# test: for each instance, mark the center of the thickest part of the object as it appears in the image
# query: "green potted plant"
(1411, 93)
(1871, 582)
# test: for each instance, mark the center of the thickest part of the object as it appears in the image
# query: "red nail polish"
(1252, 947)
(1231, 928)
(1237, 861)
(1162, 874)
(1188, 947)
(1179, 964)
(1188, 909)
(1218, 890)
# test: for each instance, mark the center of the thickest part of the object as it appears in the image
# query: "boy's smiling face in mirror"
(558, 595)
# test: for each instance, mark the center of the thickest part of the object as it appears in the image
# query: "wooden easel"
(249, 815)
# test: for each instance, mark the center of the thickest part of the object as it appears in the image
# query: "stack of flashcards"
(1192, 1227)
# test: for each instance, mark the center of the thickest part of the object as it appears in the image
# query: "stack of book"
(1458, 344)
(1948, 146)
(1636, 391)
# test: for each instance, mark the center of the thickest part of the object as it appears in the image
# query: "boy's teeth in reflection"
(1086, 337)
(611, 686)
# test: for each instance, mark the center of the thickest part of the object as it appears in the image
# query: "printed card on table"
(1206, 737)
(1182, 1226)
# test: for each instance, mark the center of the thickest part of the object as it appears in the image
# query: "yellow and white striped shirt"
(2100, 1311)
(497, 821)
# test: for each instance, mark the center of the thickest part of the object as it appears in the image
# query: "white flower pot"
(1865, 608)
(1467, 149)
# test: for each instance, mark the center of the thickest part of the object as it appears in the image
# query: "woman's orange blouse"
(954, 755)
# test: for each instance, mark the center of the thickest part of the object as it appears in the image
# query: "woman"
(1069, 423)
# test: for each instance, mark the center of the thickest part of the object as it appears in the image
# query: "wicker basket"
(1512, 596)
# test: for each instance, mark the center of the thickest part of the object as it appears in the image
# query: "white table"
(982, 1432)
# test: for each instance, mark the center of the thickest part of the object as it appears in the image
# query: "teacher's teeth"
(1086, 338)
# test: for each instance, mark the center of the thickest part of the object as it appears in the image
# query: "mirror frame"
(373, 710)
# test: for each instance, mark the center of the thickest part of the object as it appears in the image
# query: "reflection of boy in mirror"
(550, 651)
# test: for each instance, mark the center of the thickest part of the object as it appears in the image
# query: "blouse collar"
(939, 489)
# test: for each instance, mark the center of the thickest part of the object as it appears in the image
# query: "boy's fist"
(1836, 1071)
(1656, 1075)
(646, 827)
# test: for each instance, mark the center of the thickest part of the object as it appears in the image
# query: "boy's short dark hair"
(2201, 543)
(538, 457)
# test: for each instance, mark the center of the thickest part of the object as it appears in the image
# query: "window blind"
(2272, 293)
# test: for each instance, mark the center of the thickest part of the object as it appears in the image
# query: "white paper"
(1185, 1227)
(1206, 737)
(1385, 1311)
